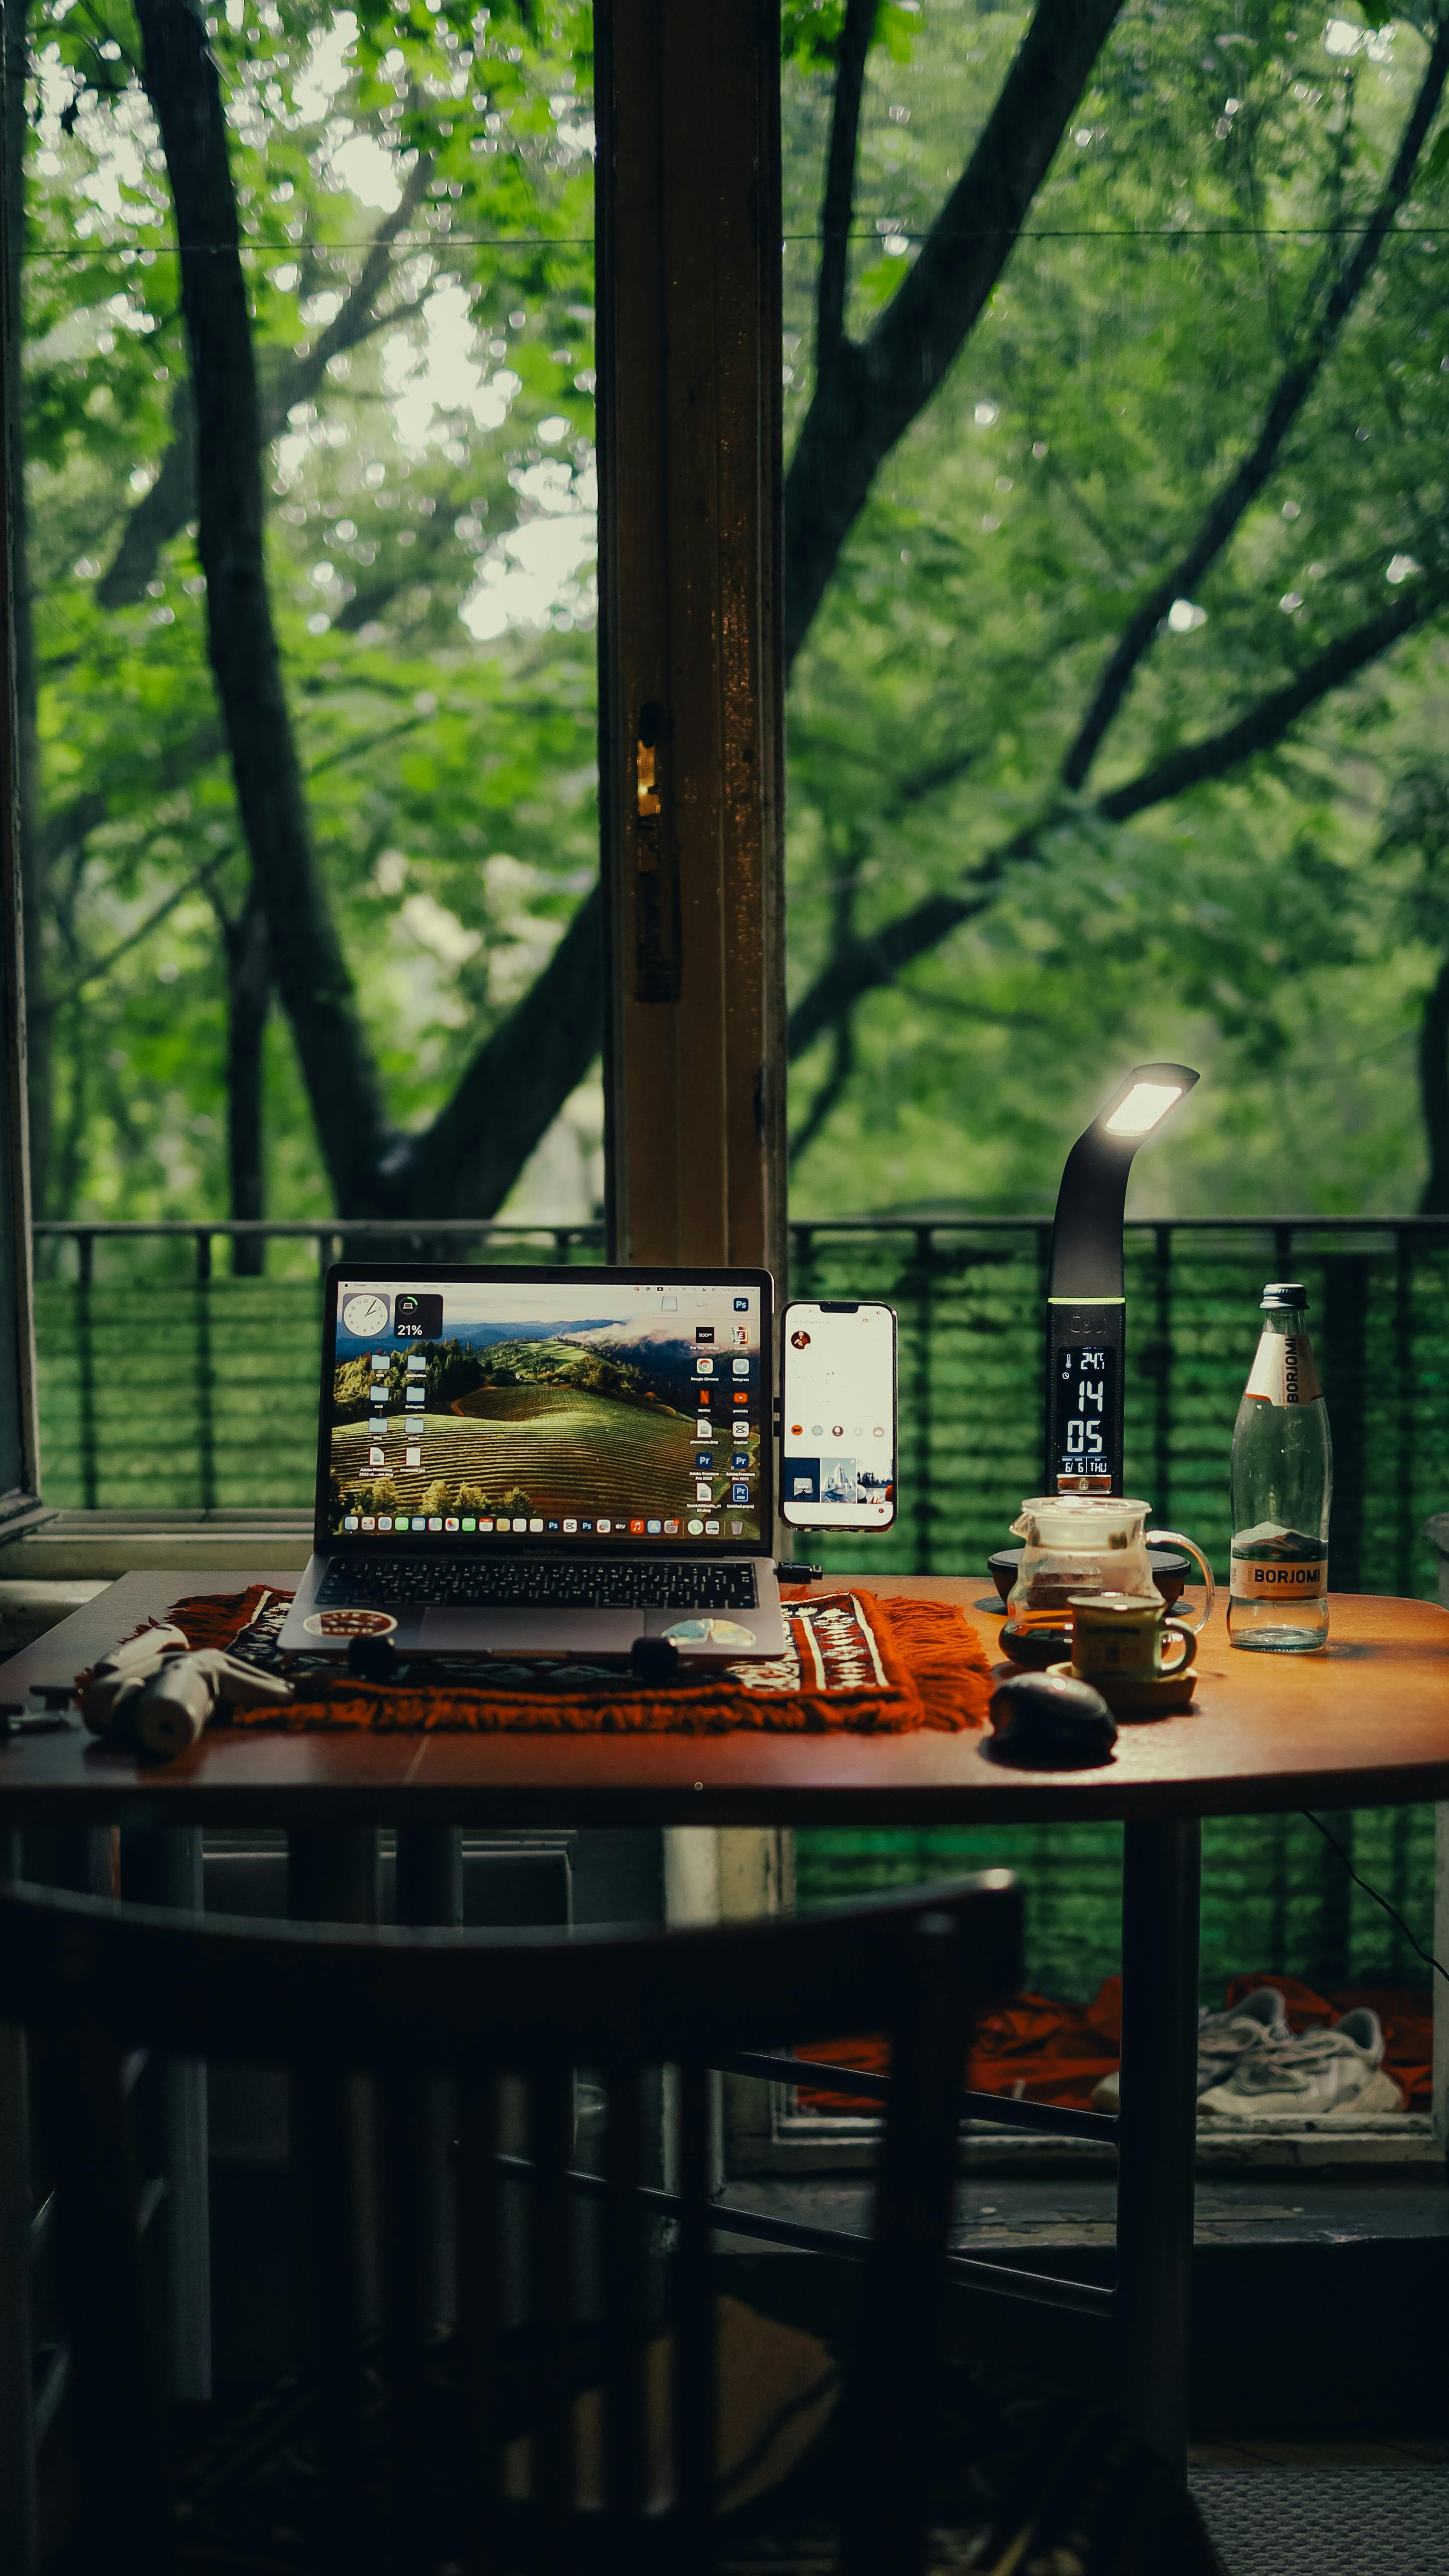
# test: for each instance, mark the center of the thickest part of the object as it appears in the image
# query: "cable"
(286, 252)
(1391, 1910)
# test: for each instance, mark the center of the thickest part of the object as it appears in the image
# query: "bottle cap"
(1284, 1292)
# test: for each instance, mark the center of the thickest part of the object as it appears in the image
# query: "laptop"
(544, 1462)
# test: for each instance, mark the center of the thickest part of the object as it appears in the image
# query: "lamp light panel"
(1146, 1103)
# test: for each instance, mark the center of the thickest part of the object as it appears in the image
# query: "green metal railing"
(174, 1377)
(171, 1379)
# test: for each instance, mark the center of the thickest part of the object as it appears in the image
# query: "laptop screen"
(583, 1408)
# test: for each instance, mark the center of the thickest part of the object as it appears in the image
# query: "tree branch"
(1266, 724)
(83, 814)
(356, 317)
(198, 881)
(248, 1001)
(856, 37)
(467, 1161)
(159, 515)
(878, 959)
(162, 512)
(1289, 396)
(837, 1079)
(878, 386)
(311, 972)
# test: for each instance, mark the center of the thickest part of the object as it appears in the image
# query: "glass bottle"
(1282, 1478)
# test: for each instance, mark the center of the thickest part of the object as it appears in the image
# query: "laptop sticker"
(710, 1632)
(350, 1623)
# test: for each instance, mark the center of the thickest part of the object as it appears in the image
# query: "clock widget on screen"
(366, 1314)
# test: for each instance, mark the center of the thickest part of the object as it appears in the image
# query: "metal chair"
(458, 2445)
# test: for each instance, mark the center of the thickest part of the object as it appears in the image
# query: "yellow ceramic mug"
(1118, 1636)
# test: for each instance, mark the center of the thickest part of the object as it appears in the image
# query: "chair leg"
(165, 1868)
(333, 1877)
(19, 2533)
(429, 1891)
(1157, 2133)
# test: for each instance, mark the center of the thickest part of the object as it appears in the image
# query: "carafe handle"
(1176, 1538)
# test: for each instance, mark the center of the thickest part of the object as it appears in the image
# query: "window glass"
(1116, 584)
(307, 710)
(314, 803)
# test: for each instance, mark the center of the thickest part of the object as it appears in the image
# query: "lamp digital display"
(1084, 1392)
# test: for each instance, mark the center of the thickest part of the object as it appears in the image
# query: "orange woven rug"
(853, 1661)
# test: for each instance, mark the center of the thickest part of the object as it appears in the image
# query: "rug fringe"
(936, 1675)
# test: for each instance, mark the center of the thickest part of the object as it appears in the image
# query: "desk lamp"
(1086, 1304)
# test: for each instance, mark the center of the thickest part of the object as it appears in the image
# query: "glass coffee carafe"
(1081, 1543)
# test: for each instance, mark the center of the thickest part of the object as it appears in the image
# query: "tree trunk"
(248, 1000)
(868, 392)
(1434, 1092)
(312, 977)
(34, 873)
(469, 1159)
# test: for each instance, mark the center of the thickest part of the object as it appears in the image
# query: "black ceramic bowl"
(1169, 1570)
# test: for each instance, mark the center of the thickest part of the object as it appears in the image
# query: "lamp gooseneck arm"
(1086, 1261)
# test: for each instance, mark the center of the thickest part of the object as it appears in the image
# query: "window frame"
(21, 1502)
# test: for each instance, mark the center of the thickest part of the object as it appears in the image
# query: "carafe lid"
(1082, 1520)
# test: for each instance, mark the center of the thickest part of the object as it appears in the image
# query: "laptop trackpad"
(530, 1632)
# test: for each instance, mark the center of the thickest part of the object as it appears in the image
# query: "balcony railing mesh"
(169, 1381)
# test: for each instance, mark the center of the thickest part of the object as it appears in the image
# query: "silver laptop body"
(544, 1462)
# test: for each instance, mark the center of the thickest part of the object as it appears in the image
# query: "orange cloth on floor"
(1041, 2051)
(854, 1661)
(1028, 2047)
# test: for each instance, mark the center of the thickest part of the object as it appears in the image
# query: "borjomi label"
(1273, 1564)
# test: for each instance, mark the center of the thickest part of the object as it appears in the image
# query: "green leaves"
(1118, 377)
(437, 469)
(810, 30)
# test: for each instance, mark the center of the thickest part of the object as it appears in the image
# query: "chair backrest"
(490, 2029)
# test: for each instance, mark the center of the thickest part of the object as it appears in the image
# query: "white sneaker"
(1224, 2039)
(1321, 2073)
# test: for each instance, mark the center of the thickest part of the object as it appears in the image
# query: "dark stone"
(1048, 1722)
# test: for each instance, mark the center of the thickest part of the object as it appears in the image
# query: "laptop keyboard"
(523, 1583)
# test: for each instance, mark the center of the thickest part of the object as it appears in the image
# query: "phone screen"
(838, 1416)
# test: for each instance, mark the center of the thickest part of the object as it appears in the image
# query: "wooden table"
(1366, 1723)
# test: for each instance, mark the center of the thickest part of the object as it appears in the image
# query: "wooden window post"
(690, 672)
(691, 790)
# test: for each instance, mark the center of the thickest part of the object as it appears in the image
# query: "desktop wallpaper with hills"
(525, 1418)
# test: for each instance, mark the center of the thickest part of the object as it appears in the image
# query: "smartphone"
(838, 1416)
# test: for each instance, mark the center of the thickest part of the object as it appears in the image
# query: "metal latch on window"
(656, 868)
